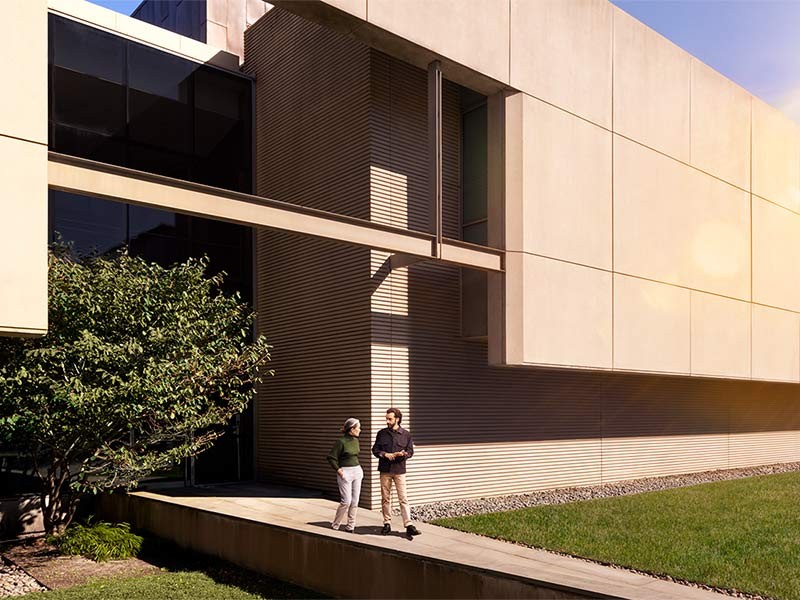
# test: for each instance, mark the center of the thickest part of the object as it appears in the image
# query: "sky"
(756, 43)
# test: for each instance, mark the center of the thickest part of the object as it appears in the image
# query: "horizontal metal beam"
(82, 176)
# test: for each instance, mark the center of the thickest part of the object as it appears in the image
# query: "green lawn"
(175, 586)
(742, 534)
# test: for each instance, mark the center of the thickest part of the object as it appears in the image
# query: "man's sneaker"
(411, 531)
(387, 529)
(349, 529)
(334, 526)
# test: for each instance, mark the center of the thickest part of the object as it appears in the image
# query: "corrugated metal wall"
(342, 127)
(312, 108)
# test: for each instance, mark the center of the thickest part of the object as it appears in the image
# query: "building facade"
(568, 250)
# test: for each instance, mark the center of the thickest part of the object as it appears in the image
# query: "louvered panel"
(444, 472)
(312, 107)
(312, 114)
(317, 322)
(659, 425)
(650, 456)
(748, 449)
(766, 427)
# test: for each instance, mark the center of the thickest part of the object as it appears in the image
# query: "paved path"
(304, 511)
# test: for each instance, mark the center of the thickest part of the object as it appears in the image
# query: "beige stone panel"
(720, 126)
(23, 237)
(150, 34)
(217, 10)
(216, 35)
(23, 70)
(776, 344)
(567, 186)
(652, 214)
(513, 183)
(678, 225)
(255, 10)
(720, 336)
(651, 326)
(235, 26)
(567, 314)
(651, 87)
(85, 11)
(776, 255)
(776, 156)
(561, 53)
(719, 229)
(209, 53)
(354, 7)
(514, 309)
(474, 33)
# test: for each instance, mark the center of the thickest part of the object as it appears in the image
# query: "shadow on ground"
(362, 530)
(168, 556)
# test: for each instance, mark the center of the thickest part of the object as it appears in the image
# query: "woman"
(343, 457)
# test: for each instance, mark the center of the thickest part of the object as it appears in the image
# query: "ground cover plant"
(162, 570)
(742, 534)
(141, 367)
(99, 541)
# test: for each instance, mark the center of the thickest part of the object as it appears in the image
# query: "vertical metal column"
(435, 151)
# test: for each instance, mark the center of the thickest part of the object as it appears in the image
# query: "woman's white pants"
(349, 491)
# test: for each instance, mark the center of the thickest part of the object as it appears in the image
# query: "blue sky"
(124, 6)
(754, 42)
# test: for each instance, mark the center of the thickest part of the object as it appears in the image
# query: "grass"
(175, 586)
(742, 534)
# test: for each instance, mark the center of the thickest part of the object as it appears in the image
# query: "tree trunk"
(58, 500)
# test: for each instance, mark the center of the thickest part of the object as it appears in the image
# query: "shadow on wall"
(20, 515)
(456, 398)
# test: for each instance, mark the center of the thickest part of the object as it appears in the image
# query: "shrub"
(141, 367)
(99, 541)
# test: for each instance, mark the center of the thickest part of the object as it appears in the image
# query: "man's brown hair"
(397, 414)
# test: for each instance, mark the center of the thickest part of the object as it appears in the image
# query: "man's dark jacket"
(389, 441)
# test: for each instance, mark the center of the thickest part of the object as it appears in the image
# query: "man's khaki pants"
(386, 497)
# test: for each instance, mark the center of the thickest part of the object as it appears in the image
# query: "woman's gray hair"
(349, 424)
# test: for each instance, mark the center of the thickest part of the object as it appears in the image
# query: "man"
(393, 447)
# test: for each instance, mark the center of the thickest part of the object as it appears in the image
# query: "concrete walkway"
(303, 512)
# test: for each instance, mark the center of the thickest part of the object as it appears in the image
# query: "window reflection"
(90, 224)
(117, 101)
(99, 226)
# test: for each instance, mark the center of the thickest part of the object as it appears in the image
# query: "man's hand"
(340, 473)
(389, 455)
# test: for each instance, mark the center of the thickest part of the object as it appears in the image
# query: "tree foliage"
(138, 363)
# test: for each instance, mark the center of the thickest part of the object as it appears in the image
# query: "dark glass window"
(90, 224)
(474, 193)
(120, 102)
(88, 91)
(95, 225)
(159, 100)
(474, 165)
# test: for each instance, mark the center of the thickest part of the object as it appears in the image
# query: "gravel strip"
(16, 582)
(459, 508)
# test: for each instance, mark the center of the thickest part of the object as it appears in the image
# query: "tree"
(138, 364)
